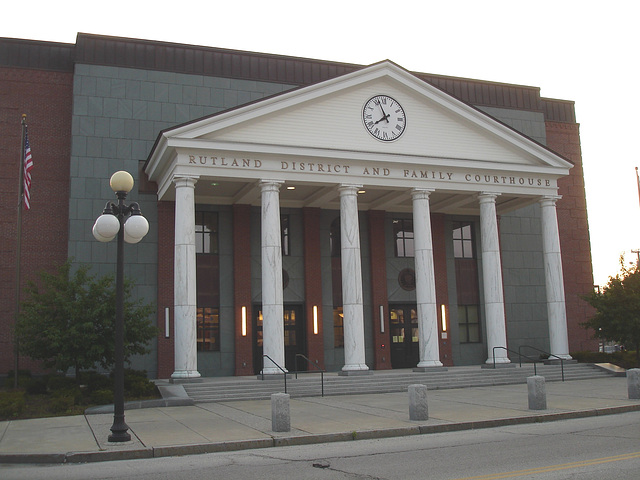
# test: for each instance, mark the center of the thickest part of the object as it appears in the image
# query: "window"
(208, 325)
(207, 232)
(284, 234)
(403, 237)
(338, 327)
(468, 324)
(334, 238)
(463, 240)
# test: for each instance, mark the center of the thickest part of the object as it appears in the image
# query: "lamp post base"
(119, 430)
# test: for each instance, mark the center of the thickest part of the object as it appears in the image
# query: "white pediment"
(329, 116)
(324, 123)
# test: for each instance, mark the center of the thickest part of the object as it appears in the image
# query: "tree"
(69, 320)
(617, 307)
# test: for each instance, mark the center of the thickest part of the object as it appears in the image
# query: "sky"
(580, 50)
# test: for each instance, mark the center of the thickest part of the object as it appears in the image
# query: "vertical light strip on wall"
(166, 323)
(444, 317)
(381, 319)
(315, 319)
(244, 321)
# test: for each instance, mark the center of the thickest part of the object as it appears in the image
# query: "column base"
(429, 363)
(273, 371)
(355, 369)
(185, 376)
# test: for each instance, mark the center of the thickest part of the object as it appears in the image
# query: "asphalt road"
(589, 448)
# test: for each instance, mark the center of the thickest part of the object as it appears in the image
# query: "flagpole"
(638, 180)
(19, 253)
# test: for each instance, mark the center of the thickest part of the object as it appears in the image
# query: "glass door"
(403, 330)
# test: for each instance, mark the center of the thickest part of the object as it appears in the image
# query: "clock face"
(384, 118)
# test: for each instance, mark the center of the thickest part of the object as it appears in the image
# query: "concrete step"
(309, 384)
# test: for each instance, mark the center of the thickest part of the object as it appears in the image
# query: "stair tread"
(308, 384)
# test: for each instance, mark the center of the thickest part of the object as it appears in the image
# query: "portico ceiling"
(298, 195)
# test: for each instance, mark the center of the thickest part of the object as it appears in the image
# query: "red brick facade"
(442, 285)
(379, 296)
(313, 284)
(166, 237)
(242, 289)
(46, 98)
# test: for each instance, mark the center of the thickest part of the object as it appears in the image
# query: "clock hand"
(386, 117)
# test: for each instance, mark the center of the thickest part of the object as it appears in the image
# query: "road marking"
(553, 468)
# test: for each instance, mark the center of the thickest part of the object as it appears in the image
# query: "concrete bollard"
(280, 415)
(633, 383)
(537, 393)
(418, 407)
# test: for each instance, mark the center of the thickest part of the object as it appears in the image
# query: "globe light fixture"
(127, 224)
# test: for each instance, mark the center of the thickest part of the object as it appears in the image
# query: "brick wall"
(313, 284)
(166, 234)
(442, 292)
(242, 289)
(45, 97)
(575, 245)
(379, 294)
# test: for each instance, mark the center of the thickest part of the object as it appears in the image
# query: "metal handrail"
(545, 353)
(284, 372)
(535, 370)
(314, 366)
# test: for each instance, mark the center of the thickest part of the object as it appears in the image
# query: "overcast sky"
(585, 51)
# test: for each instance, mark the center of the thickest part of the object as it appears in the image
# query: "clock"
(384, 118)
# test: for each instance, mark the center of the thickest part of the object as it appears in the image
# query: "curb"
(196, 449)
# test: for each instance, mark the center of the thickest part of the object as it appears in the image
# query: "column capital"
(185, 180)
(549, 200)
(349, 188)
(270, 184)
(488, 197)
(421, 193)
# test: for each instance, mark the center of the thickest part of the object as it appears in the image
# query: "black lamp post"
(127, 223)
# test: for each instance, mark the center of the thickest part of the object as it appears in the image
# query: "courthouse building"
(365, 217)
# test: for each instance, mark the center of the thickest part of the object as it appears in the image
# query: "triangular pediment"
(324, 122)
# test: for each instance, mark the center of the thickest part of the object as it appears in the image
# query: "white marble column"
(354, 355)
(554, 280)
(184, 274)
(425, 280)
(492, 279)
(272, 310)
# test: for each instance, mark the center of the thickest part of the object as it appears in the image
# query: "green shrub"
(36, 386)
(60, 382)
(61, 403)
(96, 381)
(23, 377)
(624, 359)
(11, 404)
(101, 397)
(140, 388)
(137, 385)
(74, 392)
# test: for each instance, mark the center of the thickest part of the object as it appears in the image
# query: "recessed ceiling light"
(214, 184)
(362, 191)
(291, 187)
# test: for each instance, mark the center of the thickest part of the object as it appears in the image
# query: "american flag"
(28, 166)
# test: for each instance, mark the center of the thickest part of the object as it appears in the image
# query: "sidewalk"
(237, 425)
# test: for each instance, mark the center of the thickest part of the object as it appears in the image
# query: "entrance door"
(403, 329)
(294, 337)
